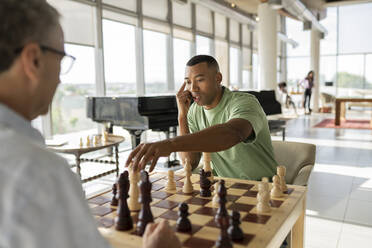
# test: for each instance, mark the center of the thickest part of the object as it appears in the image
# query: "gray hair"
(21, 22)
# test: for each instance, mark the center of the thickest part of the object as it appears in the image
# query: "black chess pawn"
(221, 211)
(114, 201)
(224, 240)
(183, 223)
(205, 183)
(235, 232)
(145, 216)
(124, 220)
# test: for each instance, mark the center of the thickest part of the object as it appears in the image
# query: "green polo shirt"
(251, 159)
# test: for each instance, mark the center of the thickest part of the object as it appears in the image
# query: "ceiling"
(251, 6)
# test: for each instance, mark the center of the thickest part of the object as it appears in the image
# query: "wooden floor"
(339, 199)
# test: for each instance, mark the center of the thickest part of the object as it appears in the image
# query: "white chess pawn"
(263, 198)
(171, 184)
(187, 186)
(81, 142)
(133, 200)
(276, 191)
(105, 136)
(88, 140)
(95, 140)
(207, 164)
(216, 198)
(281, 171)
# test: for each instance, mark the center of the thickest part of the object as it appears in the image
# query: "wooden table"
(341, 109)
(261, 230)
(74, 148)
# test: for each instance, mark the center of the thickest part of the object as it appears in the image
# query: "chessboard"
(260, 230)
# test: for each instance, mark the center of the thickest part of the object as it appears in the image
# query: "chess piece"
(276, 191)
(207, 164)
(281, 171)
(133, 202)
(234, 231)
(81, 142)
(88, 140)
(145, 216)
(187, 186)
(183, 223)
(105, 136)
(95, 140)
(171, 184)
(114, 201)
(263, 198)
(123, 221)
(222, 218)
(222, 211)
(205, 184)
(215, 200)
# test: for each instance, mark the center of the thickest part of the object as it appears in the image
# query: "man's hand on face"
(160, 235)
(184, 98)
(147, 152)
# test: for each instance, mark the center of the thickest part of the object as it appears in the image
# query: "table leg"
(337, 114)
(283, 133)
(297, 233)
(117, 160)
(343, 111)
(78, 169)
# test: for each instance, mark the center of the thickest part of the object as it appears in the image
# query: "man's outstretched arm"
(213, 139)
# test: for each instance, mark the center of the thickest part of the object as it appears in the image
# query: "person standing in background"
(308, 84)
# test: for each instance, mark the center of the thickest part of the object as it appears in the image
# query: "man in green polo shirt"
(230, 125)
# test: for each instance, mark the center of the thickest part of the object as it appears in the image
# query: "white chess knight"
(187, 186)
(281, 171)
(171, 184)
(133, 200)
(216, 198)
(207, 164)
(276, 191)
(263, 198)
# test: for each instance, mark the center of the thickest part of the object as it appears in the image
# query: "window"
(328, 45)
(298, 67)
(234, 67)
(69, 103)
(327, 74)
(222, 57)
(203, 45)
(350, 73)
(354, 27)
(119, 58)
(368, 77)
(182, 50)
(295, 31)
(256, 71)
(155, 53)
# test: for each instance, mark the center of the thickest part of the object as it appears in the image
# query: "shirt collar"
(12, 120)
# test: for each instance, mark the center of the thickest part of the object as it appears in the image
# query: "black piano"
(136, 114)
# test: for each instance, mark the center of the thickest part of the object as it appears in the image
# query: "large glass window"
(328, 45)
(234, 67)
(350, 73)
(298, 67)
(368, 71)
(155, 53)
(295, 31)
(181, 53)
(119, 58)
(354, 28)
(327, 74)
(203, 45)
(256, 71)
(222, 57)
(69, 103)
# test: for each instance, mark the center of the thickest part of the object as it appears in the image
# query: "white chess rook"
(133, 200)
(171, 184)
(263, 198)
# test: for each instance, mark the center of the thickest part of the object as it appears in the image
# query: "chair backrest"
(294, 156)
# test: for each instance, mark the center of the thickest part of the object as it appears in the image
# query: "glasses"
(66, 62)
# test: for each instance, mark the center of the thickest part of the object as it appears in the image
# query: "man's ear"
(31, 57)
(219, 77)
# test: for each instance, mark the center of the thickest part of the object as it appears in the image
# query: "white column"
(267, 46)
(314, 63)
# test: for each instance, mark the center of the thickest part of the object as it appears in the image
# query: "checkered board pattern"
(241, 196)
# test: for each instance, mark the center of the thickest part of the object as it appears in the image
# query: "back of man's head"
(211, 62)
(23, 21)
